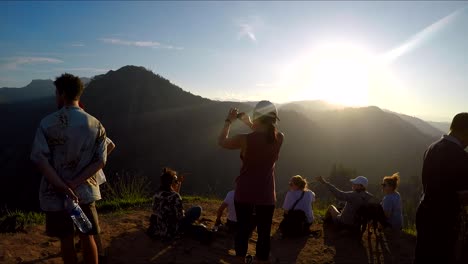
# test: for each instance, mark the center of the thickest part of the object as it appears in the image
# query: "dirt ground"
(125, 241)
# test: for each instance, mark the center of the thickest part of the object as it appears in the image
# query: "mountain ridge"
(155, 123)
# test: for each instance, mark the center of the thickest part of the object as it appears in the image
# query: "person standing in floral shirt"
(69, 149)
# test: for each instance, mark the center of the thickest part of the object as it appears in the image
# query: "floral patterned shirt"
(167, 212)
(69, 139)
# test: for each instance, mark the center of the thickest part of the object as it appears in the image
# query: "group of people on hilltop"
(252, 203)
(70, 150)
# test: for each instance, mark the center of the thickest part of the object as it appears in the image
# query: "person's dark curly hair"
(460, 122)
(168, 177)
(70, 86)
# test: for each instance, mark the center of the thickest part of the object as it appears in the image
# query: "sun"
(339, 73)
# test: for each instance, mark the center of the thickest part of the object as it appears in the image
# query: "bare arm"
(177, 185)
(110, 147)
(246, 119)
(339, 194)
(40, 156)
(220, 212)
(98, 161)
(51, 175)
(87, 173)
(223, 140)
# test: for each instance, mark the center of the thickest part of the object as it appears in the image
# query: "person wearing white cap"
(354, 199)
(255, 196)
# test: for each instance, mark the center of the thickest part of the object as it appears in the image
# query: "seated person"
(168, 218)
(391, 202)
(392, 208)
(354, 200)
(295, 198)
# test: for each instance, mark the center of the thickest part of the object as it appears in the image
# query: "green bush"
(16, 221)
(127, 186)
(124, 190)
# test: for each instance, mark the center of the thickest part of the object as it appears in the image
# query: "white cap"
(360, 180)
(265, 108)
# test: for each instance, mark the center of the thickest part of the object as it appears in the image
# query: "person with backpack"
(354, 199)
(297, 206)
(255, 194)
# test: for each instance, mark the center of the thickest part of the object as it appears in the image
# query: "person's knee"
(197, 211)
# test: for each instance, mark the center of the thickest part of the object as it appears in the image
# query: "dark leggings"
(245, 217)
(436, 235)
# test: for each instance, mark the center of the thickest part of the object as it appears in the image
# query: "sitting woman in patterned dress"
(168, 218)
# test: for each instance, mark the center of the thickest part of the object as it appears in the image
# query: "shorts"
(59, 224)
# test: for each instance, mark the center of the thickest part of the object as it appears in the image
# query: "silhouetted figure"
(69, 149)
(169, 219)
(444, 173)
(255, 186)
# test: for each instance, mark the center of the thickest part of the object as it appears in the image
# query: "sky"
(408, 57)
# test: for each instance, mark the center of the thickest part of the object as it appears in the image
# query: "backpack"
(372, 213)
(294, 222)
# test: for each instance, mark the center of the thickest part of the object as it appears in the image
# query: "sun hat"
(360, 180)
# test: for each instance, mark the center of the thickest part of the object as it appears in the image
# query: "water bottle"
(78, 216)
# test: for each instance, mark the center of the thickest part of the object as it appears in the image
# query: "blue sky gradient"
(240, 50)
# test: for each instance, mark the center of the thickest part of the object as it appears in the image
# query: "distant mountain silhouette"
(35, 90)
(442, 126)
(310, 107)
(135, 90)
(428, 128)
(155, 123)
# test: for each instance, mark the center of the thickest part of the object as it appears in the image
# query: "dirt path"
(125, 240)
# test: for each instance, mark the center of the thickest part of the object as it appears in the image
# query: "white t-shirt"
(305, 204)
(100, 176)
(229, 200)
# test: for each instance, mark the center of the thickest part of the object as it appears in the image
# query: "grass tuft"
(16, 221)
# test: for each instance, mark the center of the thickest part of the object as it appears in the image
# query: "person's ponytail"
(272, 133)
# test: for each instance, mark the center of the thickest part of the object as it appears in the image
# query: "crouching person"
(169, 220)
(298, 214)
